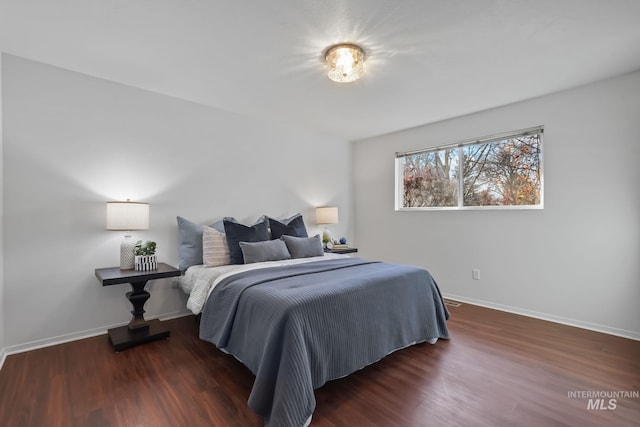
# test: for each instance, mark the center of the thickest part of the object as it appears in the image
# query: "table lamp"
(127, 216)
(326, 215)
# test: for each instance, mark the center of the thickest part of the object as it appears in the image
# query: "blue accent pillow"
(237, 233)
(269, 250)
(293, 226)
(190, 238)
(304, 247)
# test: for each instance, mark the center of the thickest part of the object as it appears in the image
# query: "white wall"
(73, 142)
(577, 261)
(2, 310)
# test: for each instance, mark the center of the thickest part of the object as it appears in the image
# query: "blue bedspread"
(299, 326)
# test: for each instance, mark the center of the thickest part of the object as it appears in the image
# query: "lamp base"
(127, 257)
(326, 237)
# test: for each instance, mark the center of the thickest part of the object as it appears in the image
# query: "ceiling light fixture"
(346, 63)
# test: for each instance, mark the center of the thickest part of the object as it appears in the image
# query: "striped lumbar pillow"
(215, 250)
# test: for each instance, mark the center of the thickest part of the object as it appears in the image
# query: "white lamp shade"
(327, 215)
(127, 216)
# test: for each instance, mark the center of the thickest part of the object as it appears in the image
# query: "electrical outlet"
(475, 274)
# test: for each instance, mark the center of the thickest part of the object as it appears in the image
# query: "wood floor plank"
(498, 369)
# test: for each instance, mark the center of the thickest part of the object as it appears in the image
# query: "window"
(501, 171)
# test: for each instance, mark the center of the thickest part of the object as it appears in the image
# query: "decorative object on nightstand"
(127, 216)
(145, 256)
(139, 330)
(340, 247)
(327, 215)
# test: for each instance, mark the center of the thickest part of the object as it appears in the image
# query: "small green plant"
(144, 248)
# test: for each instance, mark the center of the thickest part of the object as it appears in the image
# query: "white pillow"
(215, 250)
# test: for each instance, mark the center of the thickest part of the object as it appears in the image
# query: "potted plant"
(145, 255)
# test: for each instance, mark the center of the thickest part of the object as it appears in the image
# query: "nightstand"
(341, 251)
(139, 330)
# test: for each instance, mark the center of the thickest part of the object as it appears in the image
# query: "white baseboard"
(551, 318)
(61, 339)
(176, 314)
(3, 355)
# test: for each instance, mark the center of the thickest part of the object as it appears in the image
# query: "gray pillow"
(190, 237)
(304, 247)
(269, 250)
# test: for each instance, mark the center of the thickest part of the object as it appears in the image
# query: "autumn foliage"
(498, 173)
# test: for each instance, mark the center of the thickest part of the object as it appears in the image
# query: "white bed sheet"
(198, 281)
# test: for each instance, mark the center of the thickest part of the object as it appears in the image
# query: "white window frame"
(399, 172)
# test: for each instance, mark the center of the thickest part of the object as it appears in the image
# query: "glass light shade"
(327, 215)
(346, 63)
(127, 216)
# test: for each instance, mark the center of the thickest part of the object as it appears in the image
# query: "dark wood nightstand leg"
(138, 298)
(139, 330)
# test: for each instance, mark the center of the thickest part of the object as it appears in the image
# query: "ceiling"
(428, 60)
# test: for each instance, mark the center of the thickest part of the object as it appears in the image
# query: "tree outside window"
(503, 171)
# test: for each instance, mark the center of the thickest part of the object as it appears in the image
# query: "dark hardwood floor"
(498, 369)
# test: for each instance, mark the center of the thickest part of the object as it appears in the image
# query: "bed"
(298, 323)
